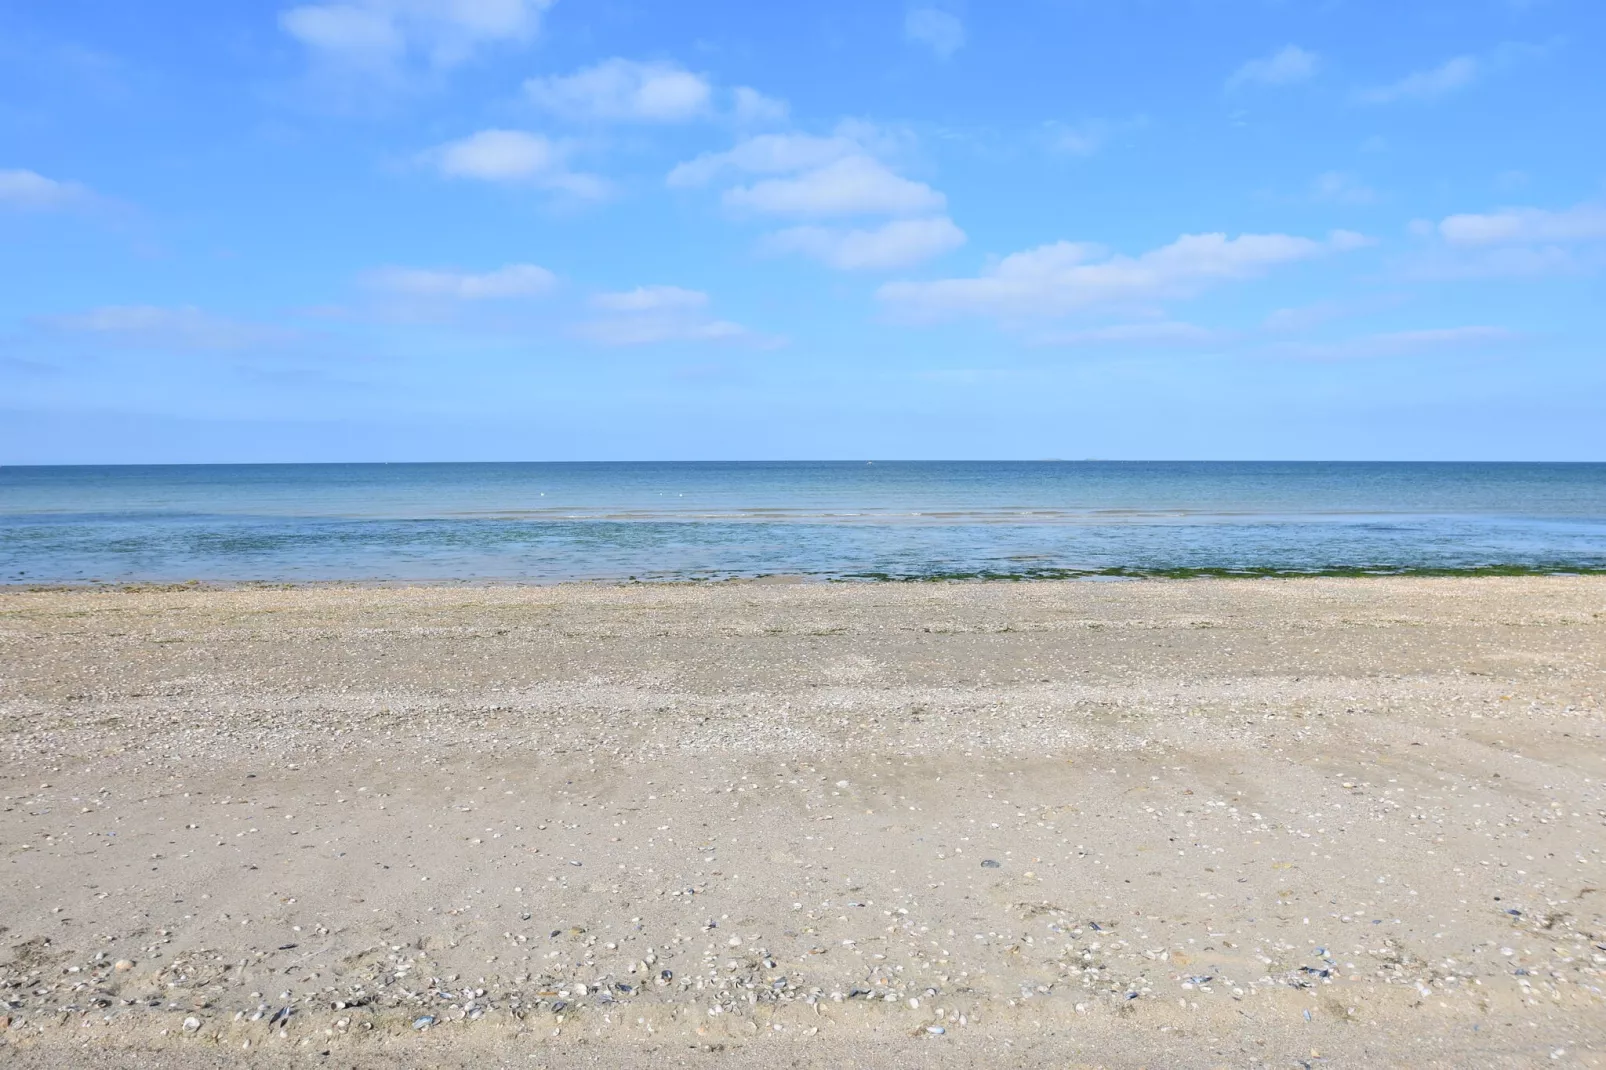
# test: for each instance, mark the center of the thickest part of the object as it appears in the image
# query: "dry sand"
(1168, 824)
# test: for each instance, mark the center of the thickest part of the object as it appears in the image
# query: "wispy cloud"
(1446, 78)
(1088, 136)
(895, 244)
(652, 315)
(1304, 317)
(1285, 66)
(509, 281)
(515, 156)
(941, 31)
(183, 327)
(1526, 226)
(1341, 187)
(1454, 340)
(853, 185)
(749, 107)
(768, 154)
(1065, 277)
(1164, 334)
(30, 191)
(1512, 243)
(651, 299)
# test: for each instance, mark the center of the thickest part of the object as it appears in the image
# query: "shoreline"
(1053, 823)
(1031, 576)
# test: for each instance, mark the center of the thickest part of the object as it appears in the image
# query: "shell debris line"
(1319, 822)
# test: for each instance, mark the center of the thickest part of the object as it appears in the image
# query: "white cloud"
(898, 243)
(511, 280)
(938, 30)
(751, 108)
(1526, 226)
(1406, 343)
(651, 299)
(1286, 65)
(153, 326)
(32, 191)
(1511, 243)
(838, 175)
(1066, 277)
(853, 185)
(625, 90)
(1444, 79)
(649, 315)
(515, 156)
(377, 36)
(499, 155)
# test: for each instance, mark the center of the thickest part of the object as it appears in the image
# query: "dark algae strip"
(1207, 572)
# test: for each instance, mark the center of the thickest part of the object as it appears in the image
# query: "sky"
(370, 230)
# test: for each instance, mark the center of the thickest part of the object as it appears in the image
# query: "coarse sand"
(1166, 824)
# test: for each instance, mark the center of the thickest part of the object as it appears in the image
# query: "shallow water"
(905, 520)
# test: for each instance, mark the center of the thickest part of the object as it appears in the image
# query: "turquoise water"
(899, 520)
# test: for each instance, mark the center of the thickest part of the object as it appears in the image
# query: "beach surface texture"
(1165, 824)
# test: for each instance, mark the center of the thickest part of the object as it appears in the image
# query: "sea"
(828, 520)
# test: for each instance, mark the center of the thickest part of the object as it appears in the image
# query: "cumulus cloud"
(515, 156)
(853, 185)
(898, 243)
(31, 191)
(839, 175)
(511, 280)
(1446, 78)
(1066, 277)
(622, 90)
(379, 36)
(156, 327)
(1285, 66)
(938, 30)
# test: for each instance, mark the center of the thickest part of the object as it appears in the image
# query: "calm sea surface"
(905, 520)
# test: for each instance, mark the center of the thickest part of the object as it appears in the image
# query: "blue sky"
(598, 229)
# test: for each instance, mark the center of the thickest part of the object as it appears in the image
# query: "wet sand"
(1202, 823)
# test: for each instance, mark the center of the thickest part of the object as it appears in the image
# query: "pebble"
(832, 946)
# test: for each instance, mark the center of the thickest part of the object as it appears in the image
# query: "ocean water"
(541, 522)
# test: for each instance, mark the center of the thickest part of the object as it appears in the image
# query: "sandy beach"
(1166, 824)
